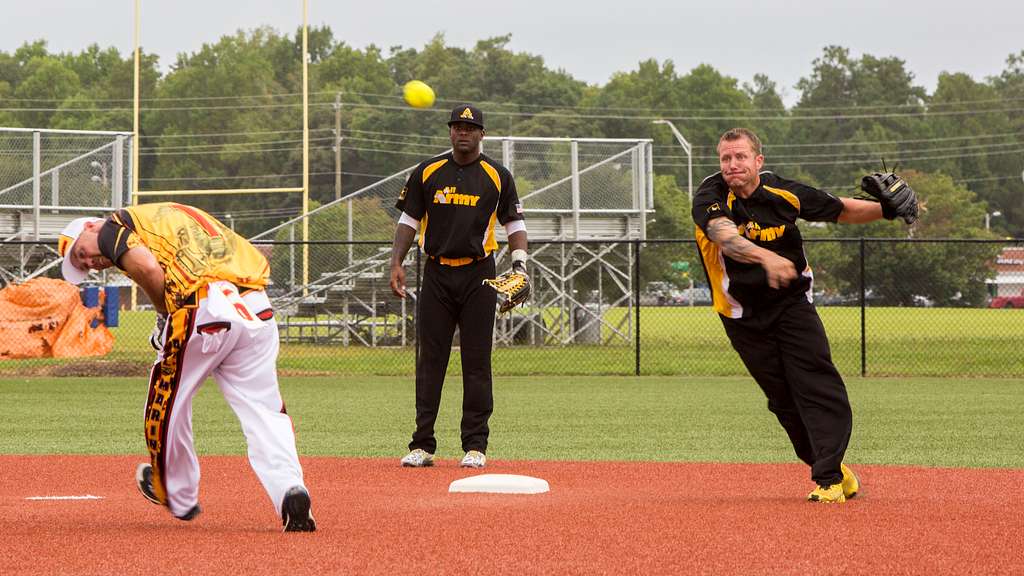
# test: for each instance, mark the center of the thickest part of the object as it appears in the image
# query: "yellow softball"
(418, 94)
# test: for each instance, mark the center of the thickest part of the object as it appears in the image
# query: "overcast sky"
(589, 40)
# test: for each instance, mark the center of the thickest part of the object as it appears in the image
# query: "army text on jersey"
(768, 219)
(457, 206)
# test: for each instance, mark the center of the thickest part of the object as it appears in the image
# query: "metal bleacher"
(570, 189)
(47, 179)
(350, 305)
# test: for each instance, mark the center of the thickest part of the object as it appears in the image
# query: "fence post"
(636, 299)
(36, 184)
(863, 323)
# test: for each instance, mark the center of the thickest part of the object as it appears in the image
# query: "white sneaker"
(474, 459)
(418, 459)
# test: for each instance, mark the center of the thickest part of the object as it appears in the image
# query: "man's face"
(740, 165)
(465, 137)
(85, 253)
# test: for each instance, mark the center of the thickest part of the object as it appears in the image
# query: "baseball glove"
(898, 199)
(513, 288)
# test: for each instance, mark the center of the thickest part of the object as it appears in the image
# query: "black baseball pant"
(786, 351)
(455, 296)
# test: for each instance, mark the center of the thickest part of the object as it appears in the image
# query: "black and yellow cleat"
(832, 494)
(851, 486)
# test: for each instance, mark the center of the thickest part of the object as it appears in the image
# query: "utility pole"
(337, 146)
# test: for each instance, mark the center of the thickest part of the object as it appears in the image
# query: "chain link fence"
(77, 170)
(891, 308)
(550, 174)
(47, 179)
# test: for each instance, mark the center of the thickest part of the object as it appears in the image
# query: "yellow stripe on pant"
(163, 387)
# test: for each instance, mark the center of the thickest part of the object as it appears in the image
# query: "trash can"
(111, 305)
(587, 324)
(91, 296)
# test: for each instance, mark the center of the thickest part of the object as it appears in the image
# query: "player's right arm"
(413, 209)
(142, 267)
(404, 235)
(712, 213)
(122, 247)
(726, 236)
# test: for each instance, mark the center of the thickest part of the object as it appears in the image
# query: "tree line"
(229, 116)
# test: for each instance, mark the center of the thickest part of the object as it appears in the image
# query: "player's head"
(79, 245)
(739, 156)
(466, 128)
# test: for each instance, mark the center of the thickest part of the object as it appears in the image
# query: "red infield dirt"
(375, 517)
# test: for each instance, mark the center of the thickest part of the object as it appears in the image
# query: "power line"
(880, 142)
(289, 149)
(866, 152)
(798, 159)
(838, 162)
(288, 175)
(956, 181)
(638, 118)
(290, 131)
(228, 147)
(767, 145)
(520, 106)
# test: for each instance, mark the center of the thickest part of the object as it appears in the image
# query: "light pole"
(337, 146)
(689, 154)
(989, 216)
(231, 221)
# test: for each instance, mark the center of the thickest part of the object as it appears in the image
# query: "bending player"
(213, 318)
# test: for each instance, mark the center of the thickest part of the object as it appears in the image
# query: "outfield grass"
(923, 421)
(939, 342)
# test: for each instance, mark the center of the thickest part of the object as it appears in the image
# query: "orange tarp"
(46, 318)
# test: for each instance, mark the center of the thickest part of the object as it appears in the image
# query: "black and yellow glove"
(897, 198)
(513, 287)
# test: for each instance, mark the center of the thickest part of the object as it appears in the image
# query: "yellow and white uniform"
(221, 324)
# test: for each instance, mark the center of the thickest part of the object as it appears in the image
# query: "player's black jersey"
(766, 218)
(458, 205)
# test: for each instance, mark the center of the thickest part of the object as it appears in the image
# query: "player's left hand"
(513, 287)
(156, 337)
(898, 199)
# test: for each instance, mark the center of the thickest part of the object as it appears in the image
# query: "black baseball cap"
(467, 113)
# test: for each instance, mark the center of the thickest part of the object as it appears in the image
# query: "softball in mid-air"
(418, 94)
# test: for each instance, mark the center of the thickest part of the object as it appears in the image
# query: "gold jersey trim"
(431, 168)
(718, 277)
(786, 195)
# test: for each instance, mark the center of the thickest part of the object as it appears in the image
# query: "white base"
(500, 484)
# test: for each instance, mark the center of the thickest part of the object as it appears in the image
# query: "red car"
(1007, 302)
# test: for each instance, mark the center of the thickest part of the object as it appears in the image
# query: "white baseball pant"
(235, 339)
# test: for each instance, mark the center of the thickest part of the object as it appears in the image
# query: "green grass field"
(939, 342)
(922, 421)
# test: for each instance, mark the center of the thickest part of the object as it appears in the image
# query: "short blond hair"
(737, 133)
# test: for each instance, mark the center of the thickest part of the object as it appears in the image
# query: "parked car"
(1007, 302)
(699, 296)
(836, 299)
(922, 301)
(661, 294)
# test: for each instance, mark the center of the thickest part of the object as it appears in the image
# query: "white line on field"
(86, 497)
